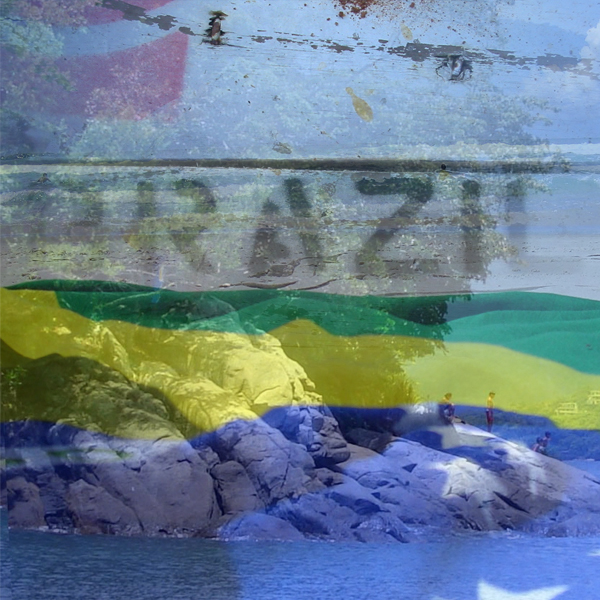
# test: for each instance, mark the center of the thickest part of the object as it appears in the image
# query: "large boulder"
(204, 405)
(94, 510)
(276, 467)
(235, 491)
(488, 483)
(390, 480)
(383, 528)
(313, 428)
(109, 485)
(367, 438)
(25, 507)
(105, 477)
(258, 526)
(53, 492)
(584, 524)
(318, 517)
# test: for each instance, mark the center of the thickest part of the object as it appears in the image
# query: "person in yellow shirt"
(489, 411)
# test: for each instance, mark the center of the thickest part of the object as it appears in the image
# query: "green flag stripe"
(559, 328)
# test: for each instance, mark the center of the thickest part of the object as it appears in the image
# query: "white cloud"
(592, 50)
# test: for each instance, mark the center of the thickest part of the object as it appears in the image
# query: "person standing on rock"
(489, 411)
(447, 408)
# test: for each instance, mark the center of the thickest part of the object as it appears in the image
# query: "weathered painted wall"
(345, 232)
(295, 79)
(485, 106)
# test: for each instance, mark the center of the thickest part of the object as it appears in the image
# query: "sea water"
(37, 565)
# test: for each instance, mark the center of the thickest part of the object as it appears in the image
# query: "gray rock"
(179, 482)
(328, 447)
(373, 440)
(94, 510)
(208, 455)
(409, 497)
(276, 467)
(258, 526)
(584, 524)
(312, 428)
(287, 419)
(440, 437)
(63, 435)
(372, 470)
(165, 484)
(418, 419)
(383, 527)
(414, 507)
(25, 507)
(374, 536)
(328, 477)
(234, 488)
(123, 483)
(53, 492)
(317, 516)
(355, 497)
(29, 461)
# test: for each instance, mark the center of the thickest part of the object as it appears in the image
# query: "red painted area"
(96, 15)
(129, 84)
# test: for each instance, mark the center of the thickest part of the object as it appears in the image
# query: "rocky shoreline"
(292, 474)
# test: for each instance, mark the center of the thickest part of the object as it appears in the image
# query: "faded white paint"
(280, 80)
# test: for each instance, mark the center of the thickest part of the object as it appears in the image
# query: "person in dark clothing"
(536, 446)
(543, 449)
(446, 408)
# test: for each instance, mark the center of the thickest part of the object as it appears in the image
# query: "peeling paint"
(135, 13)
(339, 48)
(261, 39)
(523, 91)
(416, 51)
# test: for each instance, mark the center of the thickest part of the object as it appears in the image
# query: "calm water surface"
(68, 567)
